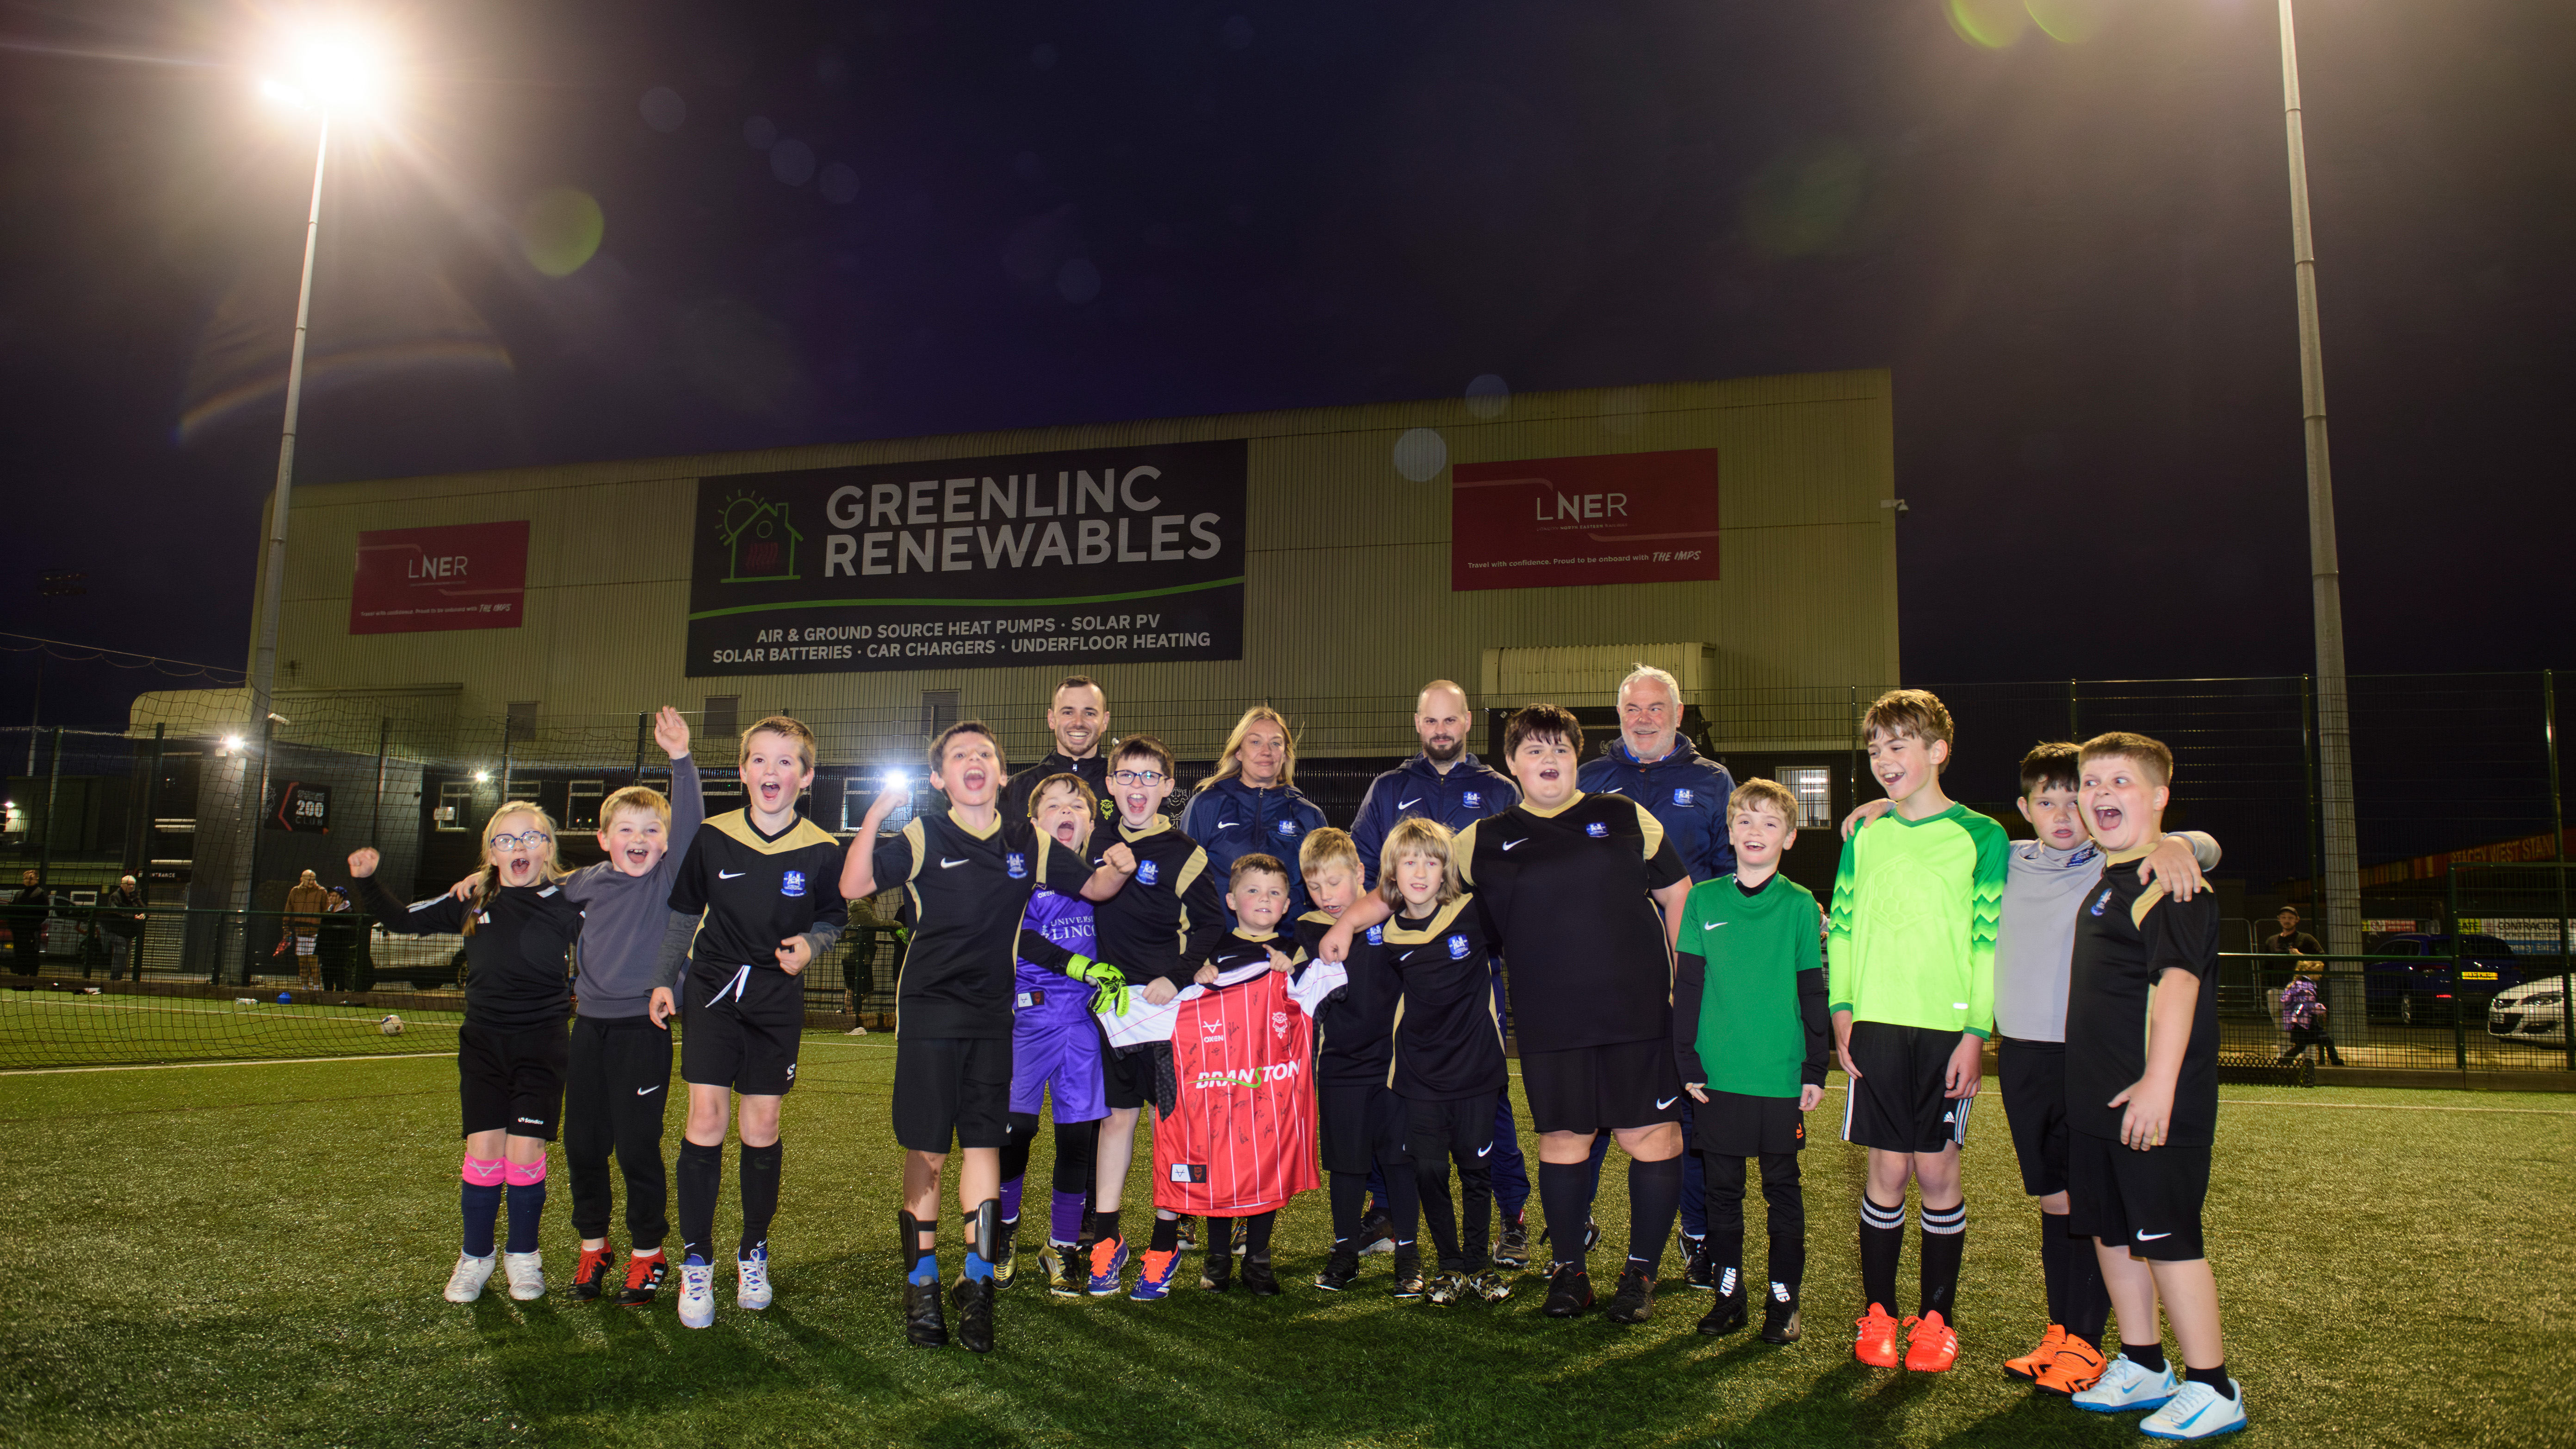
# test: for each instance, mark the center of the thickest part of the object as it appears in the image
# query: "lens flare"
(559, 230)
(2071, 22)
(1488, 397)
(1421, 453)
(1804, 201)
(1988, 24)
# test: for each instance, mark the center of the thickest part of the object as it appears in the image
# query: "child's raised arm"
(859, 870)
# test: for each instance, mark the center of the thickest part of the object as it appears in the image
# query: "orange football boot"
(2026, 1368)
(1877, 1345)
(1931, 1345)
(2077, 1367)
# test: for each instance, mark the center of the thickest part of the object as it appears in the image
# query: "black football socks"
(1654, 1200)
(759, 1168)
(1945, 1241)
(701, 1172)
(1882, 1241)
(1564, 1199)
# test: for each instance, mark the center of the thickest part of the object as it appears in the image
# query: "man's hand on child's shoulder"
(1863, 813)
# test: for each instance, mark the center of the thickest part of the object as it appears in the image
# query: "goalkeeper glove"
(1109, 994)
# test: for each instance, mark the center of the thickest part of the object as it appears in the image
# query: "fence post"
(2074, 728)
(639, 752)
(258, 810)
(45, 846)
(2451, 906)
(2558, 855)
(384, 746)
(1851, 775)
(2308, 777)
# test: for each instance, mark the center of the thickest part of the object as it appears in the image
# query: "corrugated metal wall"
(1348, 567)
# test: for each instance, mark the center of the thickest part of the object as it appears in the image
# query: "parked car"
(2426, 992)
(2535, 1011)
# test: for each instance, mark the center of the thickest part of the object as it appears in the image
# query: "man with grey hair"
(1652, 764)
(120, 919)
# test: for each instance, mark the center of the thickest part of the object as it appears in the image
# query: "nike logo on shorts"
(1481, 1151)
(1668, 1101)
(2151, 1237)
(534, 1121)
(648, 1091)
(1508, 844)
(947, 864)
(731, 874)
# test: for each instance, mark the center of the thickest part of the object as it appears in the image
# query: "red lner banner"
(465, 576)
(1622, 518)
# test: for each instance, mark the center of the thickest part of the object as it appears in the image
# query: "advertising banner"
(301, 809)
(1109, 555)
(1621, 518)
(464, 576)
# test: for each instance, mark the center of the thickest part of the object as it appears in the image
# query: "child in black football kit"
(752, 905)
(519, 932)
(966, 875)
(1359, 1119)
(1448, 1061)
(1159, 928)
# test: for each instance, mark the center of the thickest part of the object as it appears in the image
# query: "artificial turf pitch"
(253, 1255)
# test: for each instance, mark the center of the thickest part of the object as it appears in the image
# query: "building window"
(456, 805)
(938, 711)
(1814, 787)
(581, 804)
(723, 716)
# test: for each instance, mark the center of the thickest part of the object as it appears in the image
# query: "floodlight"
(482, 777)
(232, 742)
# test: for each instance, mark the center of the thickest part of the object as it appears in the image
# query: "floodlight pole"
(263, 659)
(2341, 888)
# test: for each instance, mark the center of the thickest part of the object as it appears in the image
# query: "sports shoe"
(698, 1295)
(1216, 1272)
(1377, 1234)
(1877, 1343)
(973, 1298)
(1780, 1315)
(2077, 1367)
(1931, 1344)
(592, 1272)
(465, 1284)
(1063, 1278)
(2026, 1368)
(1445, 1288)
(643, 1278)
(1698, 1270)
(751, 1280)
(527, 1275)
(1513, 1250)
(1490, 1286)
(856, 1031)
(1187, 1229)
(925, 1321)
(1155, 1282)
(2125, 1385)
(1340, 1271)
(1108, 1262)
(1006, 1266)
(1569, 1290)
(1257, 1276)
(1408, 1276)
(2198, 1412)
(1635, 1300)
(1729, 1312)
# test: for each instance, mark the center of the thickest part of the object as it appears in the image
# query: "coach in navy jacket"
(1253, 806)
(1468, 792)
(1653, 765)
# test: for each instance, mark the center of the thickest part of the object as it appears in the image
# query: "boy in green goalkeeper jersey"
(1912, 986)
(1751, 1036)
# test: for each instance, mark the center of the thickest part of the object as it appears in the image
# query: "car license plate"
(2477, 976)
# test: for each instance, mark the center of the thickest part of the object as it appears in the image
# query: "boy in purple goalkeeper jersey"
(1055, 1049)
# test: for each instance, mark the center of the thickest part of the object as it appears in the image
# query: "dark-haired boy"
(1581, 893)
(750, 907)
(1912, 977)
(966, 873)
(1751, 1037)
(1159, 930)
(2142, 1099)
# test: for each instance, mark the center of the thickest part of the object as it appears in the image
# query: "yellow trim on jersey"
(1157, 827)
(1576, 799)
(2146, 902)
(736, 824)
(1398, 935)
(987, 833)
(1256, 935)
(1462, 851)
(918, 838)
(1191, 869)
(1650, 826)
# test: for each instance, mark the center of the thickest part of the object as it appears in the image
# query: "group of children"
(1085, 954)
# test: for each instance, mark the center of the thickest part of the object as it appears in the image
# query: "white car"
(2535, 1011)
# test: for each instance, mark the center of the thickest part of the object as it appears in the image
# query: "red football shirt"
(1241, 1138)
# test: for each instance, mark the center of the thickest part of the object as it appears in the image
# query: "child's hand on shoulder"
(2175, 865)
(1863, 813)
(465, 888)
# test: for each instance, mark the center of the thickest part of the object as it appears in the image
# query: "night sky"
(827, 223)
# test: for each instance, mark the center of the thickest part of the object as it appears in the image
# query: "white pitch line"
(2396, 1106)
(185, 1066)
(288, 1011)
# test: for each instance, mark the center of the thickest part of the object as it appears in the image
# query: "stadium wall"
(1347, 578)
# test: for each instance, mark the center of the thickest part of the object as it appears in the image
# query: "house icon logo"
(759, 542)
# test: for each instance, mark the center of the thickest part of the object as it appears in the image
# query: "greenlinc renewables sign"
(1114, 555)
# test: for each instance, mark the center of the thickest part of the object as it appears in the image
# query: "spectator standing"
(305, 902)
(120, 920)
(334, 939)
(2290, 940)
(27, 911)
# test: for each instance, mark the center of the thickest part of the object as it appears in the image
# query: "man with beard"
(1078, 716)
(1449, 784)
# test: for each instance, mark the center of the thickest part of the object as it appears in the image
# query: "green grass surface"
(254, 1255)
(50, 1028)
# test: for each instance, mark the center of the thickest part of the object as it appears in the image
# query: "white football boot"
(751, 1281)
(527, 1275)
(466, 1283)
(2125, 1386)
(697, 1294)
(2198, 1412)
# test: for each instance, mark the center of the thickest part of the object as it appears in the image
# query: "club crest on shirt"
(793, 884)
(2102, 900)
(1597, 830)
(1017, 863)
(1211, 1031)
(1681, 796)
(1458, 948)
(1148, 872)
(1278, 1023)
(1287, 829)
(1475, 800)
(1377, 935)
(2084, 855)
(1189, 1172)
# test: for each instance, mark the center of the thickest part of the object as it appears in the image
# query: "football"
(390, 1026)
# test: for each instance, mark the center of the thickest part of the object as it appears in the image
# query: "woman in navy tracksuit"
(1251, 805)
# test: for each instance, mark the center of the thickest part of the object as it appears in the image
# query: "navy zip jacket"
(1230, 819)
(1686, 792)
(1470, 791)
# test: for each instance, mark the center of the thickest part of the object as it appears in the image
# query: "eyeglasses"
(529, 841)
(1138, 777)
